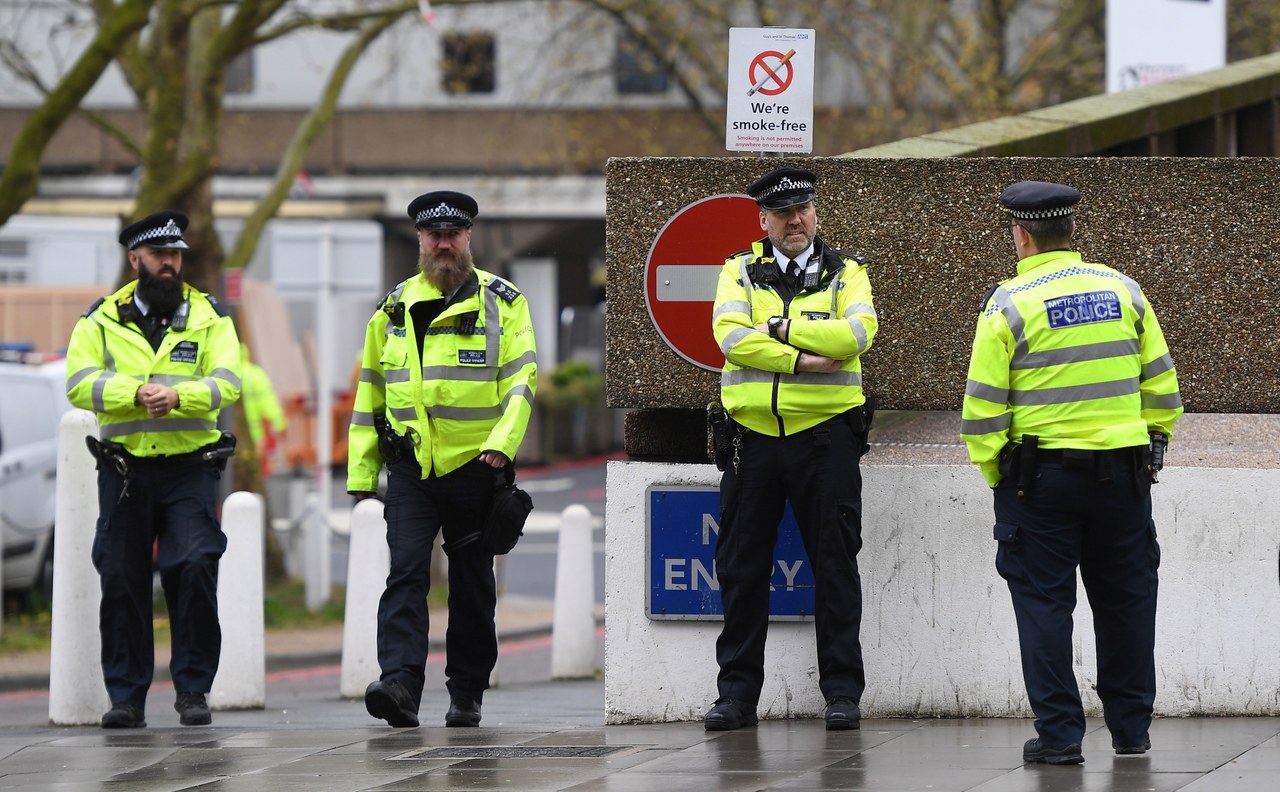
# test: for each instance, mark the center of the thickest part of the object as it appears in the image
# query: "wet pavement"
(545, 734)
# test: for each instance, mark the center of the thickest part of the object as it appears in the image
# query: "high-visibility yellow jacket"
(108, 360)
(471, 391)
(759, 386)
(262, 410)
(1072, 353)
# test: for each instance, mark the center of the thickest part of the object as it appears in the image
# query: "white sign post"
(770, 101)
(1150, 41)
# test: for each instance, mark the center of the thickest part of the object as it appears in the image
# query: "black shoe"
(1140, 748)
(192, 709)
(123, 716)
(842, 714)
(462, 712)
(729, 714)
(390, 701)
(1039, 753)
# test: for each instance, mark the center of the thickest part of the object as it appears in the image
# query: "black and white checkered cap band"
(786, 184)
(444, 210)
(1041, 214)
(170, 229)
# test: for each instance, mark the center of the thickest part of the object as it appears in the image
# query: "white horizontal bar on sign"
(687, 282)
(549, 522)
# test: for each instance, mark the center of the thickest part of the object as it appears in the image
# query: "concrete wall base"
(938, 631)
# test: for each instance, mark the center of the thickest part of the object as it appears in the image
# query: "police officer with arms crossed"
(156, 361)
(446, 390)
(1071, 399)
(793, 317)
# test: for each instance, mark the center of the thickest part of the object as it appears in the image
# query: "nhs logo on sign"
(681, 525)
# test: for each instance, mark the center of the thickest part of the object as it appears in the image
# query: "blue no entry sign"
(681, 524)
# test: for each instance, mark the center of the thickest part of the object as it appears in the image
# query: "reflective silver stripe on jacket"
(1070, 394)
(465, 413)
(374, 378)
(404, 414)
(999, 423)
(361, 418)
(1102, 350)
(981, 390)
(158, 425)
(859, 329)
(1161, 401)
(755, 376)
(1157, 367)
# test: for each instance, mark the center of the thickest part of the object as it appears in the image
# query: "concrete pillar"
(77, 695)
(573, 626)
(368, 564)
(241, 682)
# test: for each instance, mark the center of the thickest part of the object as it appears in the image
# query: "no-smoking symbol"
(771, 83)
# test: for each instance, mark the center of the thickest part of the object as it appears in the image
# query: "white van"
(32, 401)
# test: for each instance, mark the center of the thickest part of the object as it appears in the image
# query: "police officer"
(450, 366)
(793, 317)
(156, 361)
(1071, 398)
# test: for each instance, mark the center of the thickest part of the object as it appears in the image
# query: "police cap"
(443, 209)
(162, 230)
(1037, 200)
(784, 187)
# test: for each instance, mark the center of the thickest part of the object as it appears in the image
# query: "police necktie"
(793, 275)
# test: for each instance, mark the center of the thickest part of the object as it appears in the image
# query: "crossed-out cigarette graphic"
(770, 73)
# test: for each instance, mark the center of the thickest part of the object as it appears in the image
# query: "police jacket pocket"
(1006, 532)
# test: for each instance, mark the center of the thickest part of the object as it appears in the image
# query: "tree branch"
(21, 176)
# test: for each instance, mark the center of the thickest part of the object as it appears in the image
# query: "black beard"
(161, 295)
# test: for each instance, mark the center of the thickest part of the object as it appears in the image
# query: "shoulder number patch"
(503, 289)
(1081, 309)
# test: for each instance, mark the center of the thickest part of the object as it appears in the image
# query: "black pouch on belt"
(510, 508)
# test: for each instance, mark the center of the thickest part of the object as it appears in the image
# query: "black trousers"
(1069, 519)
(170, 505)
(416, 509)
(817, 470)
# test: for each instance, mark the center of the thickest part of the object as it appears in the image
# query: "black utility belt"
(189, 456)
(1071, 457)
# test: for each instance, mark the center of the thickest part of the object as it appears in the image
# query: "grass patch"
(284, 606)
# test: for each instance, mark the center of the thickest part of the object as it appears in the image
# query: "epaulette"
(93, 307)
(855, 255)
(503, 289)
(987, 298)
(216, 306)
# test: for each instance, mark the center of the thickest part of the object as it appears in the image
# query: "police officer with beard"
(446, 390)
(156, 361)
(793, 317)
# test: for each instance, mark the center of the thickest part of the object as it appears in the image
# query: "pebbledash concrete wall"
(1203, 238)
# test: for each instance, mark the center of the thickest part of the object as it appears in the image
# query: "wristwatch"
(775, 326)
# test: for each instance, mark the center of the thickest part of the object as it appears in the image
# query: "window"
(240, 74)
(637, 70)
(468, 66)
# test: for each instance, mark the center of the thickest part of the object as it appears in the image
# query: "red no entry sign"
(683, 266)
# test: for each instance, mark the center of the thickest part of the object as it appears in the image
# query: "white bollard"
(241, 682)
(77, 694)
(573, 626)
(368, 564)
(316, 528)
